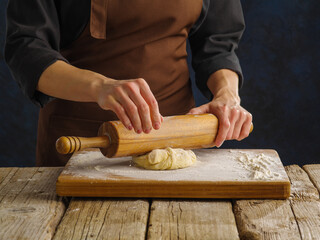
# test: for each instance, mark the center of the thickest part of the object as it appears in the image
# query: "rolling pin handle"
(71, 144)
(251, 128)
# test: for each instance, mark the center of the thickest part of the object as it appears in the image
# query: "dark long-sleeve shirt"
(38, 29)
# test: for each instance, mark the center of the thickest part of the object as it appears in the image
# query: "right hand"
(132, 101)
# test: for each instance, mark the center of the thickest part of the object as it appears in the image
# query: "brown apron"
(124, 40)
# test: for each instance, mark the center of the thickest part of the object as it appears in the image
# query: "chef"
(85, 62)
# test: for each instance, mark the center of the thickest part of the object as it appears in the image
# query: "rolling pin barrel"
(184, 131)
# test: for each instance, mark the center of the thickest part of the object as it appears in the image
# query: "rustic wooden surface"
(104, 219)
(188, 219)
(301, 186)
(265, 219)
(313, 170)
(29, 206)
(30, 209)
(305, 202)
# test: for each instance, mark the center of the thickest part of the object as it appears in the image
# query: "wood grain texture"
(187, 219)
(307, 214)
(5, 176)
(29, 206)
(104, 219)
(313, 170)
(182, 131)
(301, 186)
(4, 172)
(265, 219)
(70, 144)
(304, 201)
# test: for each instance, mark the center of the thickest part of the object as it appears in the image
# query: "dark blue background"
(279, 54)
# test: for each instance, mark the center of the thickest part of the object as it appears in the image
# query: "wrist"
(97, 84)
(224, 82)
(227, 95)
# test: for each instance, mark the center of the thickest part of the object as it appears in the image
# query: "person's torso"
(143, 39)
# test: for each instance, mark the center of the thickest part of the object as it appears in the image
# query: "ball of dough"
(165, 159)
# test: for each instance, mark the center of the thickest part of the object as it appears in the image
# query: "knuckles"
(154, 103)
(132, 109)
(141, 81)
(144, 107)
(234, 111)
(104, 106)
(223, 108)
(243, 135)
(131, 86)
(225, 123)
(119, 109)
(117, 90)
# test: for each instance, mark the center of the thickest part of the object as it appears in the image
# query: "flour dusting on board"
(211, 165)
(258, 164)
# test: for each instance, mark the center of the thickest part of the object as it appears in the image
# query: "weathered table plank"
(307, 214)
(304, 201)
(313, 171)
(265, 219)
(5, 175)
(104, 218)
(301, 186)
(29, 207)
(188, 219)
(4, 172)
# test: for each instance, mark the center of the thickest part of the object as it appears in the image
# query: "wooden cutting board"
(218, 173)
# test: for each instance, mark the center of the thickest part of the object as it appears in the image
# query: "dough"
(165, 159)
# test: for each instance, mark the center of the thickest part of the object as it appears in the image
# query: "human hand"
(234, 121)
(132, 101)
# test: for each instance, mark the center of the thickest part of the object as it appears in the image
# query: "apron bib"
(124, 40)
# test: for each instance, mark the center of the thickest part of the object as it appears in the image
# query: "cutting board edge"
(275, 190)
(66, 186)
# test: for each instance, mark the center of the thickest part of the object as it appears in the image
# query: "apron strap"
(98, 18)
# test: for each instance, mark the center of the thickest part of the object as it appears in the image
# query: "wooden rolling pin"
(115, 140)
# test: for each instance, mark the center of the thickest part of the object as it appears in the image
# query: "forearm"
(234, 120)
(224, 83)
(131, 99)
(62, 80)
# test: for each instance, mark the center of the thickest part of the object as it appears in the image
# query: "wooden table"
(30, 209)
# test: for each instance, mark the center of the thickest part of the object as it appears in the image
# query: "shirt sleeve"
(214, 39)
(32, 43)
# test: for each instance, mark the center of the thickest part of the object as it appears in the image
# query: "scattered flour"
(212, 165)
(259, 165)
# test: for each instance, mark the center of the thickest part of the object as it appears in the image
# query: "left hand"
(234, 121)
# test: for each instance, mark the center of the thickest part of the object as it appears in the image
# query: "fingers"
(139, 105)
(224, 125)
(121, 113)
(115, 106)
(245, 130)
(200, 110)
(238, 125)
(234, 115)
(146, 93)
(234, 121)
(130, 109)
(143, 112)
